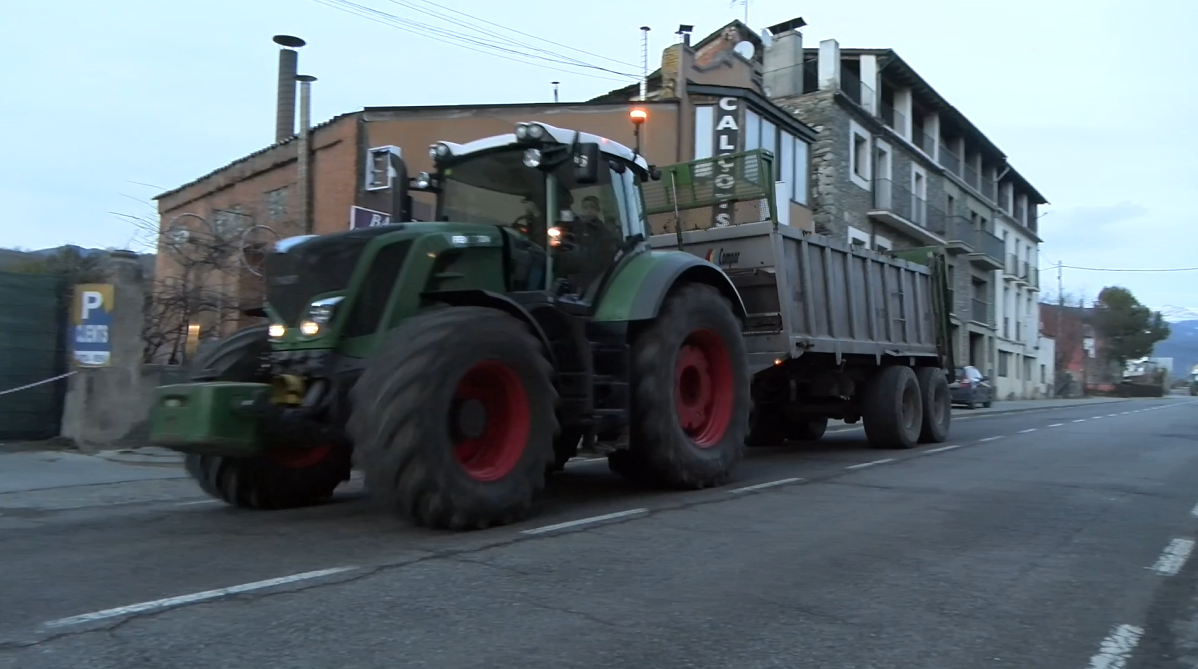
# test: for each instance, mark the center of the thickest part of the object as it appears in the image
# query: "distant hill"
(1175, 314)
(1182, 346)
(12, 257)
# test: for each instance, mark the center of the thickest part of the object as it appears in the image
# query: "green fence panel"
(33, 321)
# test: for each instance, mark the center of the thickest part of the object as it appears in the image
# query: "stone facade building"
(895, 166)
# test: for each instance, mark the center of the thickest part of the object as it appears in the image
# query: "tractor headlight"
(319, 314)
(277, 330)
(439, 151)
(530, 131)
(532, 158)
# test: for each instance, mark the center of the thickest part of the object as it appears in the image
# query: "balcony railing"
(1012, 266)
(970, 176)
(989, 244)
(979, 311)
(1033, 277)
(851, 85)
(922, 140)
(891, 197)
(1019, 330)
(989, 189)
(1006, 326)
(949, 160)
(893, 118)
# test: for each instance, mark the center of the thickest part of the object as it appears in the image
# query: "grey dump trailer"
(832, 330)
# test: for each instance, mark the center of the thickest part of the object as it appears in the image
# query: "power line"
(474, 43)
(1115, 269)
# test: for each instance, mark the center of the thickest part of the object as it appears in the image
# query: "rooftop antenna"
(644, 62)
(745, 4)
(555, 85)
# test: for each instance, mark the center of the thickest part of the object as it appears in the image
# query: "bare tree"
(208, 272)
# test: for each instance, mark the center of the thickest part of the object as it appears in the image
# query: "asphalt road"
(1052, 539)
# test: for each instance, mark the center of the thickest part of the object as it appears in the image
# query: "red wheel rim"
(495, 452)
(703, 389)
(300, 458)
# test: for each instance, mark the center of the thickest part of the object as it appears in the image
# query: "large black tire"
(565, 447)
(690, 408)
(431, 372)
(278, 480)
(892, 409)
(937, 405)
(812, 429)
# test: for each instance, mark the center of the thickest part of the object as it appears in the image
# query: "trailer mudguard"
(640, 285)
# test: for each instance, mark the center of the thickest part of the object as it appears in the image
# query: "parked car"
(971, 388)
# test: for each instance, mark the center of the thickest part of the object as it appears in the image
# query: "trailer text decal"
(727, 139)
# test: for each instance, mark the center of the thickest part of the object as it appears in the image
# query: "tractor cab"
(568, 201)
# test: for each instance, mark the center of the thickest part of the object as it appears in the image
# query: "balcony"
(988, 250)
(1010, 269)
(1006, 327)
(970, 176)
(851, 86)
(1019, 330)
(922, 140)
(958, 232)
(979, 311)
(1033, 278)
(893, 118)
(989, 189)
(900, 209)
(949, 160)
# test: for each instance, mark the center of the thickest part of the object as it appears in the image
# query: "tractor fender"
(486, 298)
(642, 282)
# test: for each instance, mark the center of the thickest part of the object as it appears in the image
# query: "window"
(704, 131)
(859, 156)
(951, 206)
(1004, 363)
(752, 130)
(801, 182)
(919, 195)
(769, 142)
(858, 237)
(786, 161)
(882, 244)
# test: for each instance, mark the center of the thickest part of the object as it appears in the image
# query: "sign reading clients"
(727, 139)
(91, 318)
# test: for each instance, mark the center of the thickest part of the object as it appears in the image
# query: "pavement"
(1055, 537)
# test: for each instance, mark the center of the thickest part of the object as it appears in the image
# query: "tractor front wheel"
(454, 419)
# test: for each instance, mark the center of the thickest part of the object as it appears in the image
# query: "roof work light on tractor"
(638, 117)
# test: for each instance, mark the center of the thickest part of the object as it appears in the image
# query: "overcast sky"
(105, 104)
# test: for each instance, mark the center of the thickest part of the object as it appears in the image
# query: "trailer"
(832, 330)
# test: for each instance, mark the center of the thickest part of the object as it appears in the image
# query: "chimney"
(288, 69)
(782, 66)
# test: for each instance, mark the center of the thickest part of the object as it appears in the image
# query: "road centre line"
(1030, 429)
(863, 465)
(1117, 648)
(1056, 425)
(584, 521)
(943, 449)
(763, 486)
(208, 595)
(1174, 557)
(985, 439)
(1080, 420)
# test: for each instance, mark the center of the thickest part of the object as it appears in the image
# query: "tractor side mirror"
(586, 163)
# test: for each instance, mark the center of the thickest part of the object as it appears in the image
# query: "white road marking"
(1124, 413)
(1095, 417)
(1056, 425)
(1080, 420)
(169, 602)
(989, 439)
(1174, 557)
(1030, 429)
(942, 449)
(870, 464)
(762, 486)
(1117, 648)
(585, 521)
(201, 501)
(1111, 415)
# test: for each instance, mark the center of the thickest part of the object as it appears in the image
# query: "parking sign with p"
(91, 320)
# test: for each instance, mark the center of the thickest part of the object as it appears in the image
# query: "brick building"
(720, 77)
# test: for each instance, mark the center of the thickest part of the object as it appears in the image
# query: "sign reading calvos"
(727, 139)
(361, 217)
(91, 320)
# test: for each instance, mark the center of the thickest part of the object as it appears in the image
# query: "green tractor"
(458, 363)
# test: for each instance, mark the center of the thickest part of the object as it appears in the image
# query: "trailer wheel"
(809, 430)
(892, 408)
(285, 479)
(454, 419)
(937, 405)
(690, 410)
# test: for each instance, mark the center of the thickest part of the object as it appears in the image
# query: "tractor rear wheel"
(691, 401)
(283, 479)
(454, 419)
